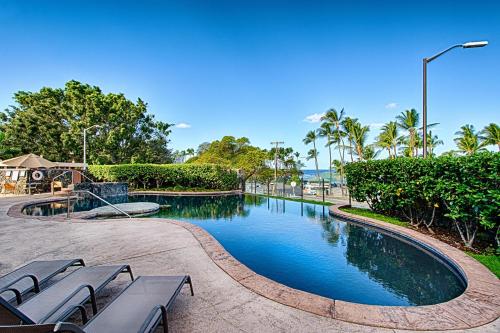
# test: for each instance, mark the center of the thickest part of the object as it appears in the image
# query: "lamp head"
(470, 45)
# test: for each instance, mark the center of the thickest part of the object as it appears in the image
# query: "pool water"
(302, 246)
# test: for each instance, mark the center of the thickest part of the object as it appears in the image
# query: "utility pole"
(277, 144)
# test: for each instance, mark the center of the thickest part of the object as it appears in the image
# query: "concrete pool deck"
(159, 246)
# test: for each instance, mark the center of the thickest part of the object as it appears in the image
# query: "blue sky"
(259, 68)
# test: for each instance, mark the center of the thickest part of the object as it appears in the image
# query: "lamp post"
(85, 144)
(468, 45)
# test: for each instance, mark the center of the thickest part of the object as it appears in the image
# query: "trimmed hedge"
(148, 176)
(461, 192)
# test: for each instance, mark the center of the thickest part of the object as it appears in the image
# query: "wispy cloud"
(391, 105)
(376, 125)
(314, 118)
(183, 125)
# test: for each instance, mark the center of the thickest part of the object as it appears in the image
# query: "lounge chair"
(31, 277)
(65, 297)
(140, 307)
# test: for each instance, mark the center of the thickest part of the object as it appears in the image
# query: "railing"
(98, 197)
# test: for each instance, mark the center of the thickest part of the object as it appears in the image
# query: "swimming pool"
(302, 246)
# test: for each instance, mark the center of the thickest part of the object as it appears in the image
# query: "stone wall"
(104, 189)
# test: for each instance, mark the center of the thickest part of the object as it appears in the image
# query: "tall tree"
(491, 135)
(468, 141)
(333, 118)
(326, 131)
(311, 137)
(348, 125)
(432, 142)
(235, 153)
(50, 122)
(389, 138)
(360, 135)
(409, 121)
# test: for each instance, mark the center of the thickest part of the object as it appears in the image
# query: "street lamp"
(468, 45)
(85, 144)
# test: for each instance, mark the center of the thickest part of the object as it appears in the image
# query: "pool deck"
(223, 302)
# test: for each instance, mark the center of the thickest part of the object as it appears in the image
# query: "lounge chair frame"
(36, 282)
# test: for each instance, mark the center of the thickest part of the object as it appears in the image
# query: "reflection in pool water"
(303, 247)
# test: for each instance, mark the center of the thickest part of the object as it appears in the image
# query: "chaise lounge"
(140, 307)
(63, 298)
(31, 277)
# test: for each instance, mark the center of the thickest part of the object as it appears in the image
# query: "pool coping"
(477, 306)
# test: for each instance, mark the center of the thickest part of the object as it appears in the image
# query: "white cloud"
(391, 105)
(314, 118)
(376, 125)
(183, 125)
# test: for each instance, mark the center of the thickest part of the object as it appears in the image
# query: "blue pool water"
(301, 246)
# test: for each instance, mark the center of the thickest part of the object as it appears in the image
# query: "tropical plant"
(491, 135)
(347, 126)
(202, 176)
(311, 137)
(326, 131)
(313, 154)
(334, 119)
(459, 193)
(468, 141)
(408, 121)
(50, 122)
(389, 138)
(359, 136)
(369, 153)
(234, 153)
(432, 142)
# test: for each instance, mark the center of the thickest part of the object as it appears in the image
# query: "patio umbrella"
(29, 161)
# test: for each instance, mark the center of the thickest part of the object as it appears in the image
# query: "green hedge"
(455, 192)
(148, 176)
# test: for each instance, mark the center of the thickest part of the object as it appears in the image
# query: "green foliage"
(369, 213)
(201, 176)
(50, 122)
(464, 190)
(492, 261)
(234, 153)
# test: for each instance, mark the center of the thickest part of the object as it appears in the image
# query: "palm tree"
(190, 152)
(326, 131)
(491, 135)
(432, 142)
(369, 153)
(311, 138)
(347, 125)
(359, 136)
(468, 141)
(389, 138)
(408, 121)
(334, 119)
(313, 153)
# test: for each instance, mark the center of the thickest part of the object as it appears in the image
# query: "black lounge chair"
(65, 297)
(140, 307)
(29, 278)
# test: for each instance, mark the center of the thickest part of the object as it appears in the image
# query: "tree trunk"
(316, 158)
(330, 157)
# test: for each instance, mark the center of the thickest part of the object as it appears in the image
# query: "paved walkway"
(154, 246)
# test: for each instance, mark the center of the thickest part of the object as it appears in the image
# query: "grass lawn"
(491, 261)
(368, 213)
(326, 203)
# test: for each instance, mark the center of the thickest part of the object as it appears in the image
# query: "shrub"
(460, 191)
(203, 176)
